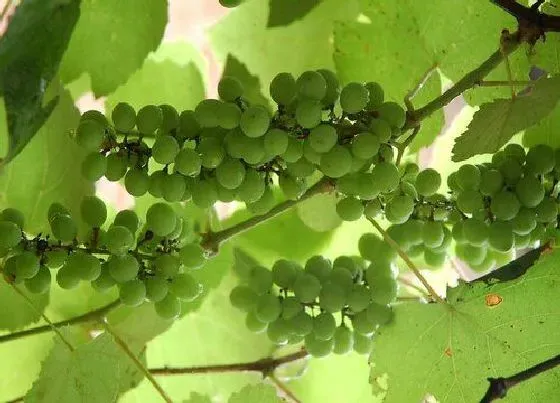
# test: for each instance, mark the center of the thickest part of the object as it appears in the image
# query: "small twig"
(503, 45)
(497, 83)
(45, 318)
(282, 387)
(499, 387)
(402, 146)
(410, 284)
(419, 85)
(136, 361)
(434, 295)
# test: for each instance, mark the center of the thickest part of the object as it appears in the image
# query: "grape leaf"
(485, 331)
(48, 170)
(259, 393)
(20, 313)
(89, 373)
(197, 398)
(243, 263)
(319, 212)
(545, 131)
(496, 122)
(371, 50)
(546, 55)
(284, 12)
(251, 83)
(118, 35)
(30, 53)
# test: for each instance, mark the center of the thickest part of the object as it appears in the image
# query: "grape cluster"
(228, 149)
(151, 262)
(330, 306)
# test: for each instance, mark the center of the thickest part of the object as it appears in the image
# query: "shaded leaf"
(485, 331)
(20, 313)
(496, 122)
(259, 393)
(30, 53)
(251, 84)
(545, 131)
(197, 398)
(112, 39)
(284, 12)
(319, 212)
(243, 263)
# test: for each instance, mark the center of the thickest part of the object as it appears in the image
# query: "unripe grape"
(399, 209)
(56, 208)
(170, 119)
(294, 151)
(90, 134)
(319, 266)
(192, 256)
(54, 259)
(332, 297)
(392, 113)
(468, 177)
(94, 166)
(529, 191)
(254, 324)
(365, 145)
(353, 98)
(10, 234)
(387, 176)
(433, 258)
(363, 344)
(255, 121)
(185, 287)
(95, 115)
(540, 159)
(322, 138)
(372, 209)
(521, 241)
(26, 265)
(379, 314)
(332, 87)
(128, 219)
(165, 149)
(473, 255)
(188, 125)
(268, 308)
(93, 211)
(230, 88)
(13, 215)
(123, 117)
(504, 205)
(86, 266)
(67, 278)
(500, 236)
(302, 323)
(156, 288)
(283, 88)
(428, 182)
(336, 162)
(104, 282)
(306, 288)
(301, 168)
(167, 265)
(116, 167)
(547, 210)
(376, 95)
(381, 129)
(354, 264)
(230, 173)
(292, 187)
(470, 201)
(63, 227)
(244, 298)
(278, 331)
(524, 222)
(491, 182)
(204, 194)
(324, 326)
(511, 170)
(119, 240)
(362, 324)
(149, 119)
(515, 151)
(122, 268)
(40, 282)
(284, 273)
(343, 340)
(188, 162)
(156, 181)
(276, 141)
(349, 209)
(260, 280)
(132, 293)
(318, 348)
(253, 151)
(161, 218)
(374, 249)
(211, 151)
(312, 85)
(432, 234)
(384, 289)
(173, 187)
(475, 231)
(168, 308)
(308, 113)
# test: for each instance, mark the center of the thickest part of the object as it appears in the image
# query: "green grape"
(284, 273)
(40, 282)
(12, 215)
(362, 344)
(276, 141)
(475, 231)
(292, 187)
(511, 170)
(188, 125)
(359, 298)
(149, 119)
(173, 187)
(332, 297)
(365, 145)
(376, 95)
(90, 134)
(414, 231)
(10, 235)
(392, 113)
(123, 117)
(283, 88)
(387, 176)
(95, 115)
(432, 234)
(310, 154)
(54, 259)
(500, 236)
(547, 210)
(132, 293)
(294, 151)
(119, 240)
(155, 185)
(252, 150)
(399, 209)
(473, 255)
(504, 205)
(521, 241)
(322, 138)
(230, 173)
(308, 113)
(312, 85)
(458, 232)
(252, 187)
(93, 211)
(161, 219)
(116, 167)
(291, 307)
(468, 177)
(349, 209)
(63, 227)
(185, 287)
(319, 266)
(165, 149)
(383, 288)
(362, 324)
(260, 280)
(515, 151)
(540, 159)
(301, 168)
(306, 287)
(244, 298)
(433, 258)
(343, 340)
(348, 263)
(374, 249)
(168, 308)
(353, 98)
(204, 194)
(254, 324)
(302, 323)
(379, 314)
(337, 162)
(324, 326)
(211, 151)
(524, 222)
(94, 166)
(207, 112)
(128, 219)
(342, 277)
(469, 201)
(178, 230)
(192, 256)
(428, 182)
(170, 119)
(87, 266)
(386, 153)
(381, 129)
(268, 308)
(279, 331)
(491, 182)
(372, 209)
(230, 88)
(188, 162)
(230, 116)
(529, 191)
(230, 3)
(255, 121)
(156, 288)
(67, 278)
(318, 348)
(122, 268)
(27, 265)
(104, 281)
(332, 87)
(167, 265)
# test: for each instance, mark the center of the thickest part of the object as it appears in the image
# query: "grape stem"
(121, 343)
(212, 240)
(433, 294)
(284, 389)
(410, 284)
(85, 318)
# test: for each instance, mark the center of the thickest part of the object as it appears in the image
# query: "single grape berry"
(192, 256)
(116, 167)
(188, 162)
(230, 173)
(168, 308)
(156, 288)
(255, 121)
(128, 219)
(529, 191)
(283, 88)
(428, 182)
(311, 85)
(94, 166)
(306, 288)
(149, 119)
(90, 134)
(387, 176)
(93, 211)
(230, 88)
(137, 182)
(322, 138)
(332, 87)
(185, 287)
(349, 209)
(230, 3)
(124, 117)
(10, 234)
(165, 149)
(353, 98)
(122, 268)
(365, 145)
(392, 113)
(132, 293)
(170, 120)
(242, 297)
(161, 218)
(308, 113)
(337, 162)
(27, 265)
(63, 227)
(40, 282)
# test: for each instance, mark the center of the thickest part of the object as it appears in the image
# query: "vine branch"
(531, 15)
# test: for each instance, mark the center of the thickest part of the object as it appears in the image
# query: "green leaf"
(48, 170)
(20, 313)
(259, 393)
(546, 55)
(89, 373)
(496, 122)
(251, 84)
(243, 263)
(284, 12)
(112, 39)
(30, 52)
(371, 50)
(485, 331)
(197, 398)
(545, 131)
(319, 212)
